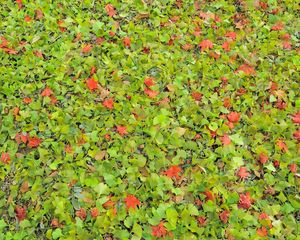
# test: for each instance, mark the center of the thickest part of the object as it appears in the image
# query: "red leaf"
(131, 202)
(108, 204)
(287, 45)
(233, 117)
(297, 135)
(39, 14)
(202, 221)
(93, 70)
(5, 158)
(276, 163)
(92, 84)
(54, 223)
(159, 230)
(296, 117)
(19, 2)
(122, 130)
(27, 18)
(278, 26)
(16, 111)
(224, 216)
(197, 96)
(46, 92)
(38, 54)
(248, 70)
(227, 102)
(262, 232)
(225, 140)
(87, 48)
(81, 213)
(293, 167)
(110, 10)
(263, 158)
(108, 103)
(21, 137)
(94, 212)
(126, 42)
(231, 35)
(149, 81)
(226, 46)
(173, 171)
(27, 100)
(68, 148)
(20, 212)
(151, 93)
(242, 173)
(206, 44)
(33, 142)
(263, 216)
(209, 195)
(187, 47)
(245, 201)
(282, 146)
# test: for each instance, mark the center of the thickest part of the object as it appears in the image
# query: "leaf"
(172, 216)
(237, 139)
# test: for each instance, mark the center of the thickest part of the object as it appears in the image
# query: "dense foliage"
(144, 119)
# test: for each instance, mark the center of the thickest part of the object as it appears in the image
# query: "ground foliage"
(149, 119)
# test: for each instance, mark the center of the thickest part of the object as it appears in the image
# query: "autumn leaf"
(94, 212)
(21, 137)
(110, 10)
(224, 215)
(27, 18)
(296, 135)
(282, 146)
(46, 92)
(20, 213)
(173, 171)
(277, 27)
(242, 173)
(34, 142)
(5, 158)
(201, 220)
(108, 103)
(206, 44)
(248, 70)
(296, 117)
(226, 46)
(262, 232)
(245, 201)
(131, 201)
(225, 140)
(149, 82)
(81, 213)
(263, 158)
(293, 167)
(87, 48)
(151, 93)
(209, 195)
(27, 100)
(122, 130)
(197, 96)
(233, 117)
(126, 42)
(159, 230)
(231, 35)
(92, 84)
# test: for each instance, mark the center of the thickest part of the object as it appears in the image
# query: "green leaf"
(57, 233)
(172, 216)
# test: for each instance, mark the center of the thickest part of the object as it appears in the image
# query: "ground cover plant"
(149, 119)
